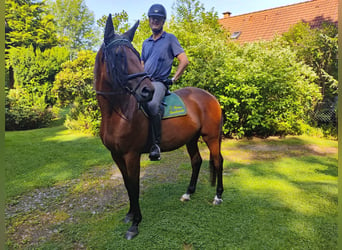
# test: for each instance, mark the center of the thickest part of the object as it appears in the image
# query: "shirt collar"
(162, 36)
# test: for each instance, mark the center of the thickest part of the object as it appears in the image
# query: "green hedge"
(26, 111)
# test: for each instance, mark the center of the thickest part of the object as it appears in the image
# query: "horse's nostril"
(147, 92)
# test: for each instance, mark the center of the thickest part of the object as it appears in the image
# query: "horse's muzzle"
(146, 93)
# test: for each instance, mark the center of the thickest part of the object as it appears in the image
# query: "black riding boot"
(156, 134)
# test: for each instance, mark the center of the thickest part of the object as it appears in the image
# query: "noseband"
(125, 87)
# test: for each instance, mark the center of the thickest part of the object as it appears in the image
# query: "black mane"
(116, 61)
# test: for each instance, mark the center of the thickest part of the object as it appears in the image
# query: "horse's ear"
(109, 33)
(129, 34)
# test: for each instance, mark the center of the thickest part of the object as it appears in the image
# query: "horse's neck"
(119, 107)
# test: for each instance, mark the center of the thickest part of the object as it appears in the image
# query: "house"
(265, 24)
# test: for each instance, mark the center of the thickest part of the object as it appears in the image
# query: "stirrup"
(155, 153)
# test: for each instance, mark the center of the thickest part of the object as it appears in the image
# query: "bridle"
(127, 89)
(129, 77)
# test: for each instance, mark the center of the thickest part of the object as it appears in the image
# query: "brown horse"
(121, 86)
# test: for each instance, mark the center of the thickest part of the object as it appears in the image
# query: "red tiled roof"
(264, 25)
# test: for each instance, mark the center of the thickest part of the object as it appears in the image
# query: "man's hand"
(168, 82)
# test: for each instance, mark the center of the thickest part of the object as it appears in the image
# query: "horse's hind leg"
(196, 162)
(216, 166)
(216, 171)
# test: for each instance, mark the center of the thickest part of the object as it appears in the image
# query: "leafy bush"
(26, 111)
(28, 105)
(75, 79)
(34, 68)
(262, 87)
(266, 91)
(318, 48)
(74, 86)
(84, 116)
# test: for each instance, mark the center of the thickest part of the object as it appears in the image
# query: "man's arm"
(183, 63)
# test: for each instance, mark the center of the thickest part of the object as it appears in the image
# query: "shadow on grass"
(244, 221)
(273, 148)
(275, 210)
(283, 203)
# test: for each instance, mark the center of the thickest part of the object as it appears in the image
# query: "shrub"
(26, 111)
(28, 105)
(75, 79)
(262, 88)
(269, 91)
(84, 116)
(34, 69)
(74, 87)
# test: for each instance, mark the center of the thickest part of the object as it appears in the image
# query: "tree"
(34, 68)
(204, 42)
(192, 12)
(75, 24)
(120, 22)
(27, 23)
(28, 104)
(318, 49)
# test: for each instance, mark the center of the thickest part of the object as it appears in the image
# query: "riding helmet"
(157, 10)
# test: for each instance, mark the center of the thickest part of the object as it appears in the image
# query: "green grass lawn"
(63, 192)
(43, 157)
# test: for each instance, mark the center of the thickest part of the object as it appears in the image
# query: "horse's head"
(118, 67)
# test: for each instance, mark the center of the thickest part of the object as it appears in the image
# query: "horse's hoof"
(128, 219)
(131, 233)
(217, 201)
(185, 197)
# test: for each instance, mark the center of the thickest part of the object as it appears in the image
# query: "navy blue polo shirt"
(158, 55)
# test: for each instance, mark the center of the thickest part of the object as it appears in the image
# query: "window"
(235, 35)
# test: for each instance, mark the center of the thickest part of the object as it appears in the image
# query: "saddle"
(171, 106)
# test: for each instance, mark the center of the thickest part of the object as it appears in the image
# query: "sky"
(136, 8)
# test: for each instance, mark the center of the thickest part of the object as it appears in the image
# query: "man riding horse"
(158, 52)
(122, 86)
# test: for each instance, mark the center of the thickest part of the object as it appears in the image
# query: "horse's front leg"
(129, 166)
